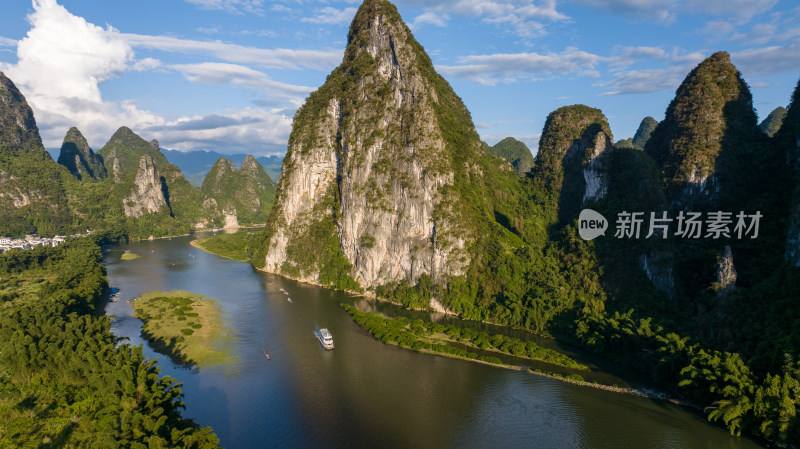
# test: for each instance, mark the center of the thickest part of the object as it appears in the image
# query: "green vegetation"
(66, 381)
(516, 153)
(644, 132)
(438, 338)
(128, 255)
(773, 122)
(187, 327)
(236, 246)
(248, 192)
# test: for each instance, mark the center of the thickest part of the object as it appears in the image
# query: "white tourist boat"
(325, 338)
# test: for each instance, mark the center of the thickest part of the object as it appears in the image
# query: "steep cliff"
(79, 159)
(573, 150)
(147, 196)
(32, 194)
(122, 156)
(787, 140)
(244, 196)
(704, 129)
(384, 179)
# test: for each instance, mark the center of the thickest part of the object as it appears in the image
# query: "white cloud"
(251, 130)
(6, 42)
(61, 62)
(146, 64)
(522, 16)
(63, 59)
(232, 6)
(507, 68)
(428, 18)
(768, 60)
(645, 80)
(223, 73)
(279, 58)
(332, 16)
(667, 11)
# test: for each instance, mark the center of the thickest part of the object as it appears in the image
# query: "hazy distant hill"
(196, 164)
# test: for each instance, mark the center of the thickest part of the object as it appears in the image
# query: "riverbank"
(230, 246)
(187, 327)
(441, 340)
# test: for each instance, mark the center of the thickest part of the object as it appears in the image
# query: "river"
(365, 393)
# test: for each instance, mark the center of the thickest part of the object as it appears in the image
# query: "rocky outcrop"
(595, 172)
(32, 194)
(18, 130)
(657, 266)
(726, 273)
(575, 144)
(147, 196)
(643, 133)
(239, 196)
(378, 159)
(79, 159)
(708, 123)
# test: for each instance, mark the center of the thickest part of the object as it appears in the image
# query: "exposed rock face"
(726, 273)
(231, 221)
(32, 195)
(705, 125)
(370, 169)
(18, 130)
(147, 196)
(573, 150)
(116, 168)
(594, 171)
(79, 158)
(657, 265)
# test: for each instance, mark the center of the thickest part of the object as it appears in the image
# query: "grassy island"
(452, 341)
(187, 327)
(128, 255)
(230, 246)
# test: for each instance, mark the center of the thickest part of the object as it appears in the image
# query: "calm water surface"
(365, 393)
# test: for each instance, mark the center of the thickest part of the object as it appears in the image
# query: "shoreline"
(371, 295)
(583, 383)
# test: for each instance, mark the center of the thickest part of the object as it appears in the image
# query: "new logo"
(591, 224)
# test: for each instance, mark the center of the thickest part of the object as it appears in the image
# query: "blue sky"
(228, 75)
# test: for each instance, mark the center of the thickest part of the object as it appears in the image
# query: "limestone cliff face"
(32, 194)
(79, 159)
(147, 196)
(378, 158)
(18, 130)
(726, 273)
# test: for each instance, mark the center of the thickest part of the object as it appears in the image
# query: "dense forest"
(66, 380)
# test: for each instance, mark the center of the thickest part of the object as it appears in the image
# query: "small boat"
(266, 354)
(289, 299)
(286, 293)
(325, 337)
(281, 289)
